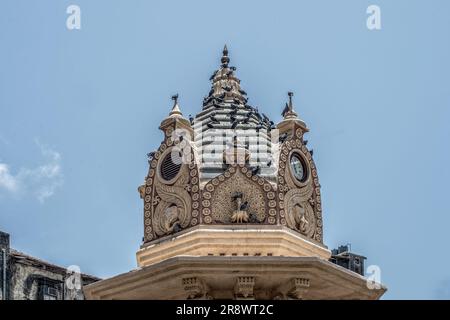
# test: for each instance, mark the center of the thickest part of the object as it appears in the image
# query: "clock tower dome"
(232, 209)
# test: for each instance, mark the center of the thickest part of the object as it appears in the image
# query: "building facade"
(27, 278)
(232, 209)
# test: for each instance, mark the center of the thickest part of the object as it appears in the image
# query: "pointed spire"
(225, 60)
(176, 108)
(288, 112)
(175, 120)
(225, 84)
(291, 107)
(290, 118)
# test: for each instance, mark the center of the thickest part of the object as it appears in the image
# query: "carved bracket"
(244, 288)
(195, 289)
(299, 289)
(295, 289)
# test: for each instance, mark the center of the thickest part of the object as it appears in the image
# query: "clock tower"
(232, 209)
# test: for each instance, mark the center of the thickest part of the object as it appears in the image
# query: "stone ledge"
(232, 241)
(272, 278)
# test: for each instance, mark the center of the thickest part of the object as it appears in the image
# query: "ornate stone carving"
(195, 289)
(301, 200)
(299, 213)
(299, 289)
(174, 209)
(223, 206)
(168, 204)
(240, 215)
(294, 289)
(244, 288)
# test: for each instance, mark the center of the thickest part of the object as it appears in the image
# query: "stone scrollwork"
(301, 200)
(169, 205)
(299, 213)
(173, 211)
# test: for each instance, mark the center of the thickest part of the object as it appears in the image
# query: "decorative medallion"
(224, 202)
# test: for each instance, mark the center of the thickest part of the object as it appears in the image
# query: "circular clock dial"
(298, 168)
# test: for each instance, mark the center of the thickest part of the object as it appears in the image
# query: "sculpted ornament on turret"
(298, 182)
(171, 197)
(185, 188)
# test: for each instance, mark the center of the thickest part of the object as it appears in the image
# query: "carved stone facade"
(275, 197)
(171, 205)
(300, 208)
(217, 225)
(219, 206)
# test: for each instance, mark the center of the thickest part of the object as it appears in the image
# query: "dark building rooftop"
(351, 261)
(28, 278)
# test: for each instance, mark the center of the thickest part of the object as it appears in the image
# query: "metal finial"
(175, 99)
(176, 108)
(290, 94)
(225, 58)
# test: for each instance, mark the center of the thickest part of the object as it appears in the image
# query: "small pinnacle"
(175, 109)
(225, 60)
(175, 99)
(290, 94)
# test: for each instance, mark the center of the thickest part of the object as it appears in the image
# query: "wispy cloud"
(41, 181)
(7, 181)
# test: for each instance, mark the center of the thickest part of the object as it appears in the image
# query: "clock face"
(298, 168)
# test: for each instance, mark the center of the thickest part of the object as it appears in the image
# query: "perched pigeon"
(256, 170)
(283, 137)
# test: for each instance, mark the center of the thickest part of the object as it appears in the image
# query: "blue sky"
(80, 109)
